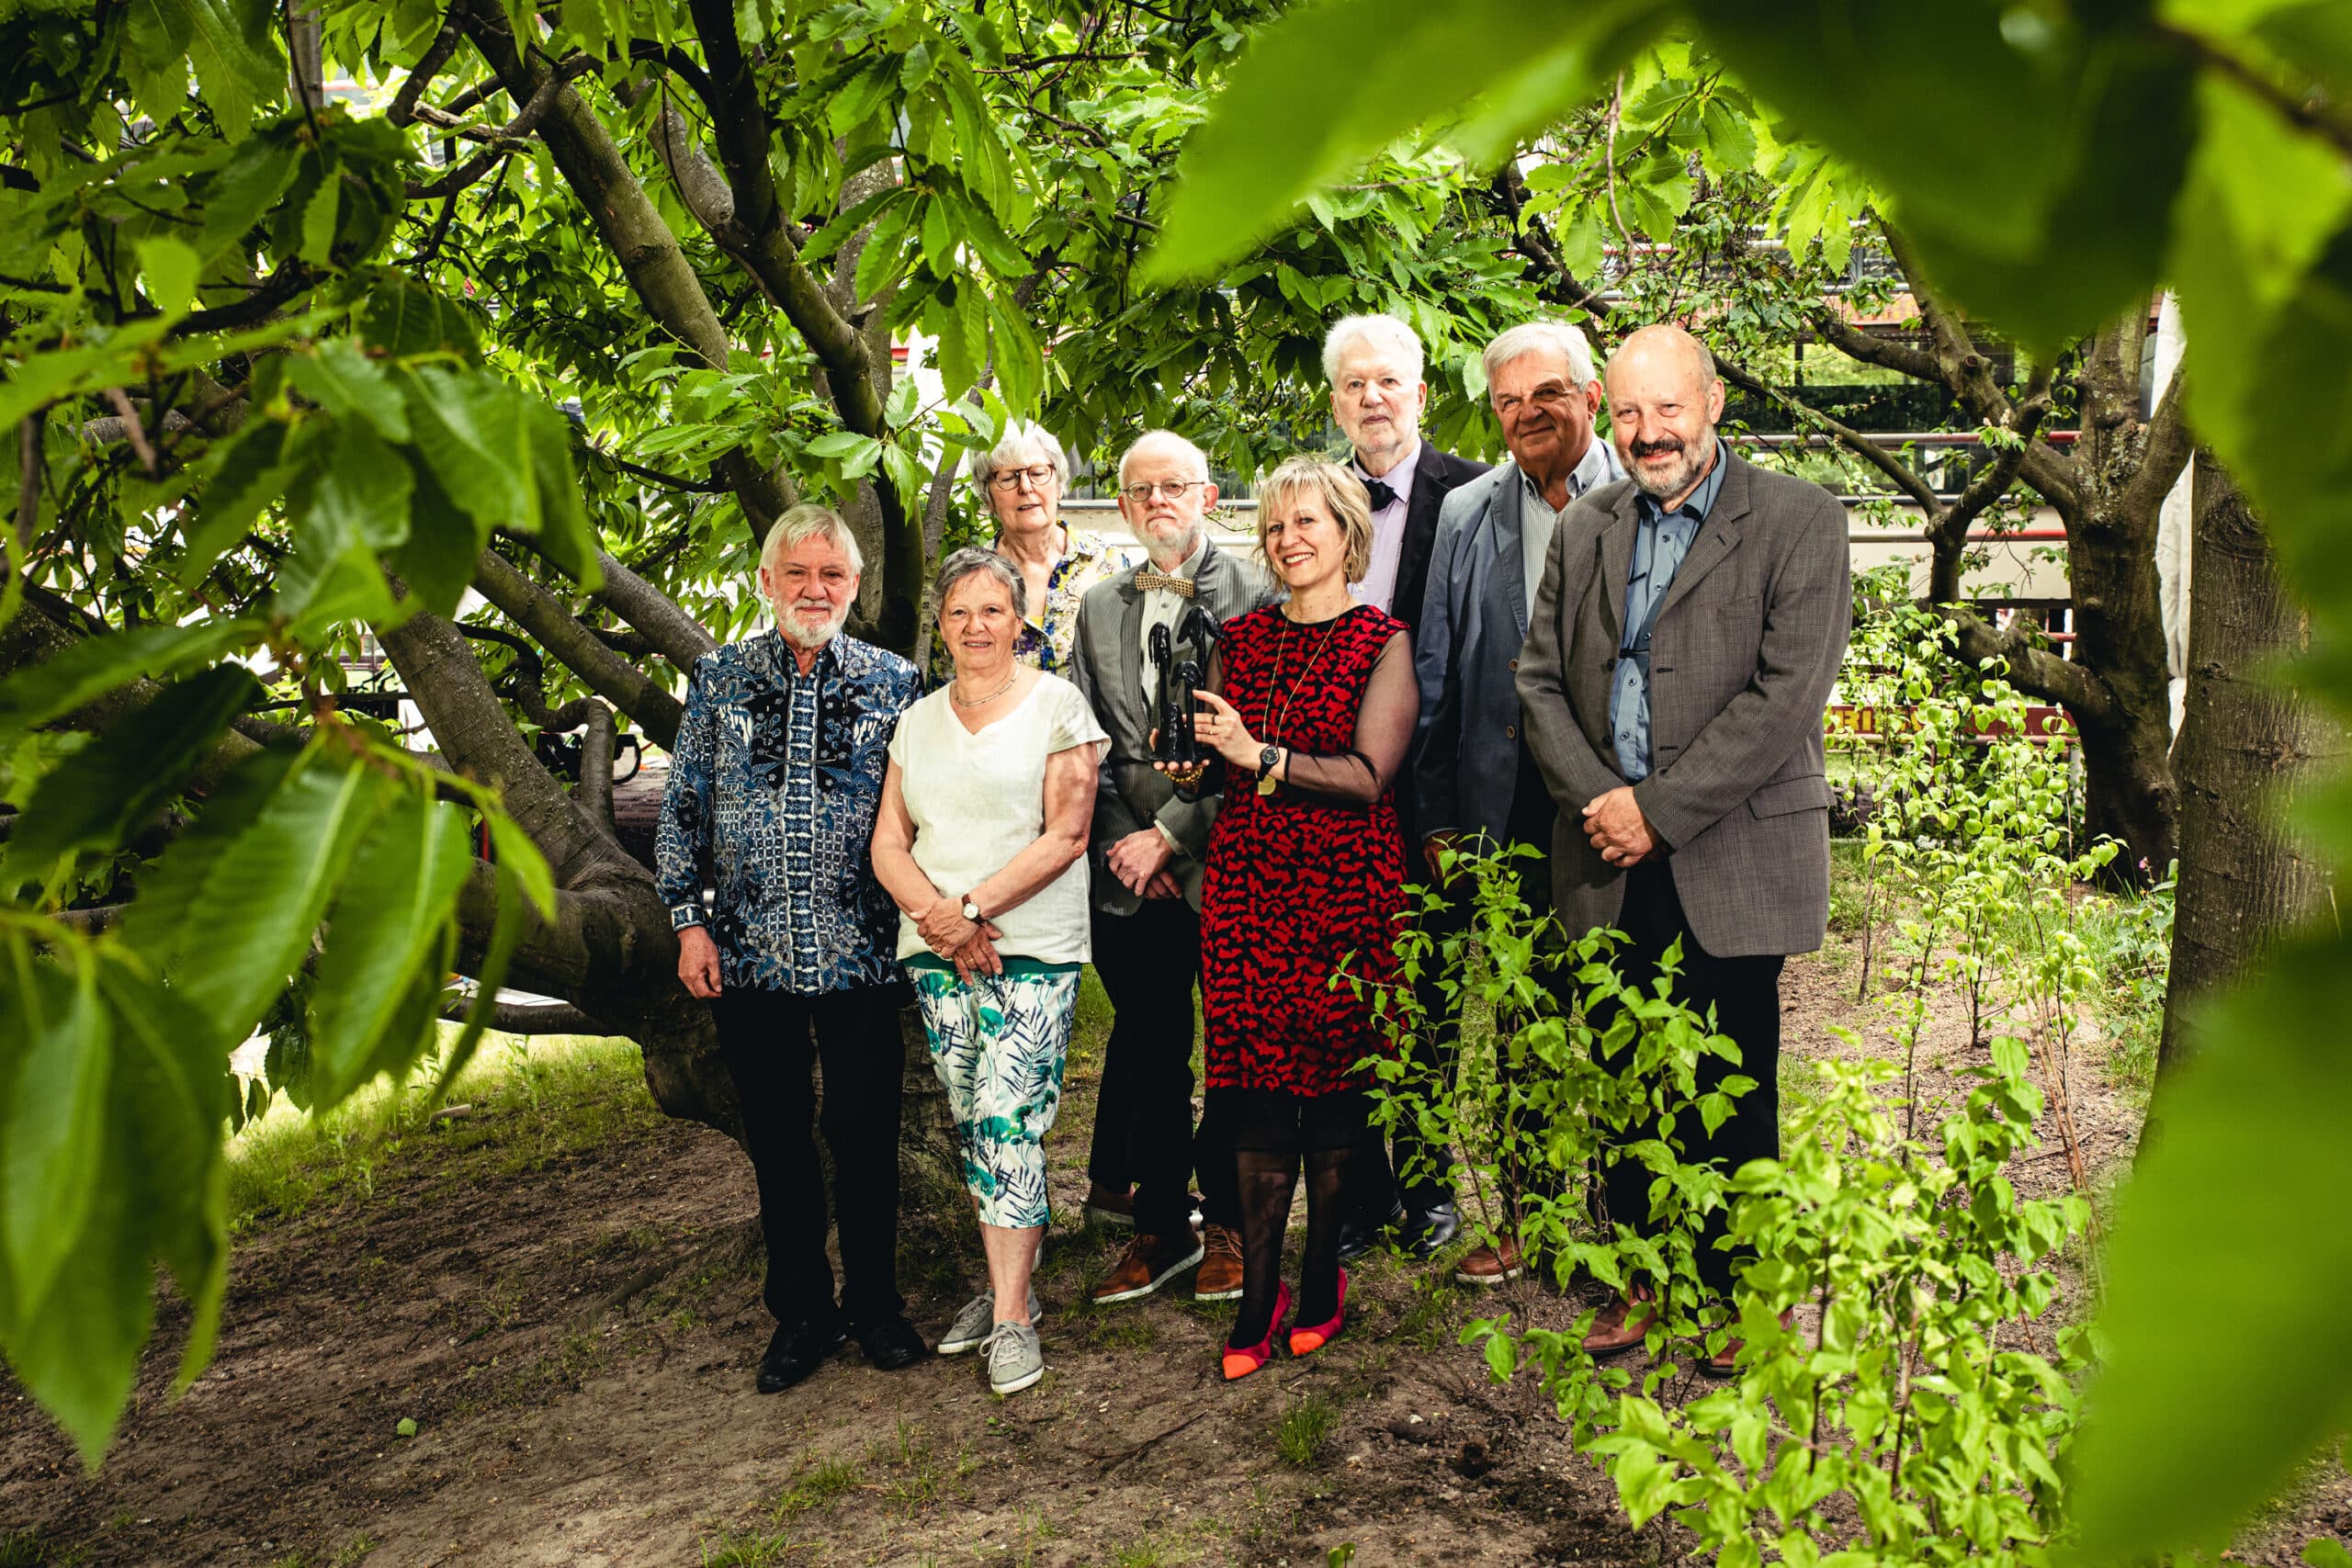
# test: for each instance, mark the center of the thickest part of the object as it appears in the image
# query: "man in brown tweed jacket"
(1691, 622)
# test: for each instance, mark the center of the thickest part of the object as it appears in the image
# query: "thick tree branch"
(447, 685)
(413, 87)
(650, 254)
(550, 620)
(2166, 448)
(1901, 474)
(532, 1018)
(676, 636)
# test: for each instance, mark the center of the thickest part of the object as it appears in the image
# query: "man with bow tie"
(1374, 363)
(1147, 856)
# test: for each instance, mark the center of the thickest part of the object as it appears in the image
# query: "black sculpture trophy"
(1174, 740)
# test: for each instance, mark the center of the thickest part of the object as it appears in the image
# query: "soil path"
(574, 1344)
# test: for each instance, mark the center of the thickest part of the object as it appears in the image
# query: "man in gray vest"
(1690, 626)
(1147, 854)
(1472, 773)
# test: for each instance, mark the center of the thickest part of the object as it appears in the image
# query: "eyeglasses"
(1175, 490)
(1010, 479)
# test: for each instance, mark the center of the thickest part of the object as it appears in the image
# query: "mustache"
(1654, 448)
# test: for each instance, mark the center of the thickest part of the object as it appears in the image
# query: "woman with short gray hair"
(1021, 479)
(981, 843)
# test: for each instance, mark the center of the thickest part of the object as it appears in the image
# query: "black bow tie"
(1382, 496)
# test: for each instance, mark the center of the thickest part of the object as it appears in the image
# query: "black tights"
(1272, 1133)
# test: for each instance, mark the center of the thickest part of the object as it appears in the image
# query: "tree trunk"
(2247, 742)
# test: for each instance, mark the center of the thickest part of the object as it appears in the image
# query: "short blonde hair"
(1338, 488)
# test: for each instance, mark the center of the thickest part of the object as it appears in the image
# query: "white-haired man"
(1147, 853)
(1474, 776)
(1374, 365)
(774, 785)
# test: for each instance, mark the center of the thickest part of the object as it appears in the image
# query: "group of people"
(1617, 651)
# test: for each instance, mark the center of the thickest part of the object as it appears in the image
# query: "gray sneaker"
(973, 1324)
(1014, 1360)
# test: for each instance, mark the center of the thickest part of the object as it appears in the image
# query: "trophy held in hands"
(1174, 743)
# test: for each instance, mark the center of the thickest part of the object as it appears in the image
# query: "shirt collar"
(1701, 501)
(771, 655)
(1591, 472)
(1399, 478)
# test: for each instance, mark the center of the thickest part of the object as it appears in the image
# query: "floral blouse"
(1049, 637)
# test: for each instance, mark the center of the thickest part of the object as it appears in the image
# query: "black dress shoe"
(1358, 1236)
(891, 1344)
(797, 1349)
(1425, 1234)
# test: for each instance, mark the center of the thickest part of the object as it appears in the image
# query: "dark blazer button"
(1510, 732)
(1514, 663)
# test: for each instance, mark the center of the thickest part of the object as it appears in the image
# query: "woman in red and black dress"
(1312, 711)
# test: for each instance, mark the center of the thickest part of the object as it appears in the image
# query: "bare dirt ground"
(574, 1344)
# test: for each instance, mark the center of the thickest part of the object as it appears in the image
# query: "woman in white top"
(981, 841)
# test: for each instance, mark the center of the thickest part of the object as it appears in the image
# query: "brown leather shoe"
(1149, 1262)
(1724, 1363)
(1108, 1206)
(1220, 1276)
(1491, 1264)
(1620, 1328)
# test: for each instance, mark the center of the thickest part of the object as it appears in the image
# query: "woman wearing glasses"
(1023, 478)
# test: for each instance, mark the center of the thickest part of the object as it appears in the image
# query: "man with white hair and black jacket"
(1374, 365)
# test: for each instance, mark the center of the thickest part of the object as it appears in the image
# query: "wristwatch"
(971, 910)
(1266, 757)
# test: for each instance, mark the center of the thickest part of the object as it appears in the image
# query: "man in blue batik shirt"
(774, 785)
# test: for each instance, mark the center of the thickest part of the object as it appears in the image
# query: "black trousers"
(766, 1039)
(1745, 995)
(1149, 963)
(1417, 1179)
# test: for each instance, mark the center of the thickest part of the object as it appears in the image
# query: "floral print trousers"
(998, 1042)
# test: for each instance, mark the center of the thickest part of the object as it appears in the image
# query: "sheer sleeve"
(1392, 702)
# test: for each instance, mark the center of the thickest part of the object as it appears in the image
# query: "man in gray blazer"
(1473, 772)
(1146, 859)
(1690, 625)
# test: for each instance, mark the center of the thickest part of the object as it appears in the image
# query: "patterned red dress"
(1300, 878)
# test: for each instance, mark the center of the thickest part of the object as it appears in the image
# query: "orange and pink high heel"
(1306, 1341)
(1239, 1364)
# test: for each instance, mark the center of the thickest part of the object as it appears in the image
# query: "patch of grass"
(1434, 1316)
(26, 1549)
(1153, 1550)
(1846, 882)
(2129, 938)
(820, 1488)
(751, 1549)
(533, 1101)
(1303, 1428)
(925, 1478)
(1801, 1083)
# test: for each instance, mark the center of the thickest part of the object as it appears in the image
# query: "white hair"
(804, 522)
(974, 561)
(1348, 330)
(1200, 459)
(1022, 443)
(1541, 337)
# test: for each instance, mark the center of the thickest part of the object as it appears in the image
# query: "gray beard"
(1183, 548)
(1688, 475)
(806, 640)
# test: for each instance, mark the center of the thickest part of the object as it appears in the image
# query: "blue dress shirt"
(1662, 540)
(774, 785)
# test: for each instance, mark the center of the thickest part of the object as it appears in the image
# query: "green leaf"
(1292, 119)
(259, 888)
(170, 269)
(394, 911)
(53, 1154)
(97, 796)
(319, 214)
(248, 186)
(565, 534)
(236, 65)
(348, 384)
(87, 670)
(1019, 362)
(2186, 1433)
(247, 475)
(174, 1089)
(406, 321)
(470, 430)
(437, 561)
(2036, 212)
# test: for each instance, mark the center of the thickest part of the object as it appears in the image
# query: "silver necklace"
(982, 702)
